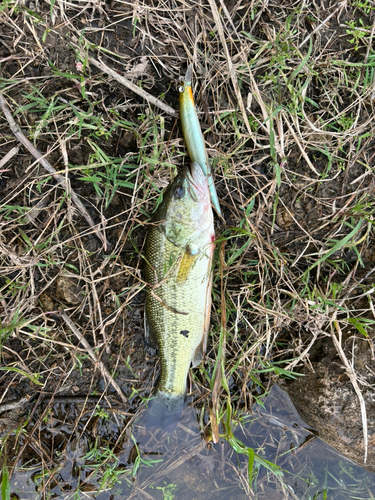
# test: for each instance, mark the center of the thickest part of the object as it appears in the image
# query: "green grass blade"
(338, 245)
(5, 484)
(302, 63)
(251, 464)
(17, 370)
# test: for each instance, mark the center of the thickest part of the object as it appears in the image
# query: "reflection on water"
(134, 464)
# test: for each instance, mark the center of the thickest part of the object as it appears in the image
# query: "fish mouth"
(197, 182)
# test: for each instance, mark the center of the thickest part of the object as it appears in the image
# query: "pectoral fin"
(187, 262)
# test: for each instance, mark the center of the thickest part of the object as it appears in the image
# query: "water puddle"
(96, 454)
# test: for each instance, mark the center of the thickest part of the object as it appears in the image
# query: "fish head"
(187, 206)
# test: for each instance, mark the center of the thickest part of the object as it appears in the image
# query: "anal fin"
(198, 354)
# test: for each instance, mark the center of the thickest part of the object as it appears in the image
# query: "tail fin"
(163, 411)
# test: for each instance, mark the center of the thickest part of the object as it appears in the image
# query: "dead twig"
(13, 405)
(93, 356)
(221, 354)
(46, 164)
(138, 90)
(9, 156)
(353, 379)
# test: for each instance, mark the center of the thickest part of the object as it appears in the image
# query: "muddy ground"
(287, 111)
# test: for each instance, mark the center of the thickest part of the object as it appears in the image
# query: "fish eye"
(179, 192)
(181, 89)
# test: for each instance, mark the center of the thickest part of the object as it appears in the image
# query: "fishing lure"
(193, 134)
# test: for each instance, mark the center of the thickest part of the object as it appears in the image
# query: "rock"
(327, 401)
(68, 291)
(127, 139)
(46, 301)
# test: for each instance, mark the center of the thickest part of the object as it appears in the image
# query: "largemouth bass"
(193, 136)
(179, 254)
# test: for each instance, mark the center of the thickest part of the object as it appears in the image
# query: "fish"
(193, 136)
(178, 271)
